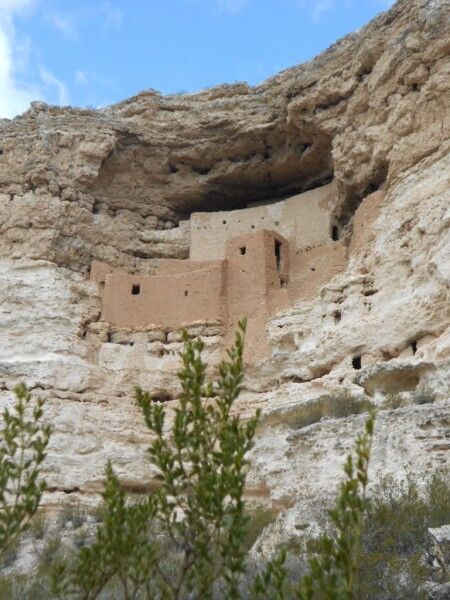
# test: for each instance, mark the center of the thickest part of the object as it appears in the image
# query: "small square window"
(135, 289)
(243, 250)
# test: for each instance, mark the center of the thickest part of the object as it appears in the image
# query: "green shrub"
(23, 446)
(198, 507)
(393, 401)
(334, 568)
(257, 522)
(326, 407)
(70, 514)
(190, 538)
(38, 526)
(424, 396)
(394, 535)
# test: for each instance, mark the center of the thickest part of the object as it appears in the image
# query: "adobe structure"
(251, 262)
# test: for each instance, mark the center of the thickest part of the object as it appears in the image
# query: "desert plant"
(257, 522)
(189, 538)
(393, 401)
(199, 505)
(329, 406)
(23, 443)
(333, 569)
(394, 535)
(424, 395)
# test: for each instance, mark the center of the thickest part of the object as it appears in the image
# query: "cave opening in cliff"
(135, 289)
(353, 196)
(356, 363)
(251, 167)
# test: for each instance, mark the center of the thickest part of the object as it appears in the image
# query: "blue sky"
(96, 52)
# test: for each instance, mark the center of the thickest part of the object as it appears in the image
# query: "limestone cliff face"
(119, 185)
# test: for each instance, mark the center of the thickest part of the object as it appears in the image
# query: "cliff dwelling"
(316, 204)
(250, 262)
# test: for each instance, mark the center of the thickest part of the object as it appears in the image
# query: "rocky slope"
(119, 184)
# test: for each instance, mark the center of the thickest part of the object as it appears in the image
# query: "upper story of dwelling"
(305, 220)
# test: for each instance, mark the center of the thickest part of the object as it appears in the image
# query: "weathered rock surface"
(119, 184)
(438, 552)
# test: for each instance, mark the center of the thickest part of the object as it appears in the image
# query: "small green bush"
(326, 407)
(394, 535)
(424, 396)
(189, 539)
(393, 401)
(257, 522)
(70, 514)
(23, 447)
(38, 526)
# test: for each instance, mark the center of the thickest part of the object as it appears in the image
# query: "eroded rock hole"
(202, 170)
(303, 147)
(356, 363)
(335, 233)
(186, 293)
(414, 346)
(162, 397)
(172, 168)
(135, 289)
(243, 250)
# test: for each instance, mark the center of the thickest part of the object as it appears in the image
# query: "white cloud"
(65, 25)
(15, 95)
(319, 7)
(231, 6)
(81, 77)
(50, 80)
(16, 92)
(113, 16)
(11, 6)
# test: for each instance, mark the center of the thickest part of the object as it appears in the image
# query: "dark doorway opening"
(278, 254)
